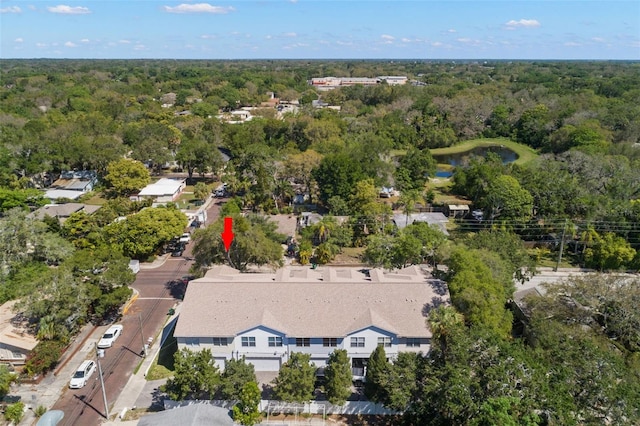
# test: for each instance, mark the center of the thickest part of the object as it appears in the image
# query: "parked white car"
(185, 238)
(82, 374)
(110, 336)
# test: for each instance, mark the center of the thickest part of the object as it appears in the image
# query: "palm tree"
(442, 322)
(408, 200)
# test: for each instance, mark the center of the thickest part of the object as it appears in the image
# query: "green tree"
(378, 251)
(444, 322)
(477, 293)
(339, 377)
(195, 376)
(296, 378)
(377, 370)
(60, 296)
(20, 198)
(609, 252)
(400, 382)
(6, 378)
(255, 243)
(337, 175)
(237, 373)
(125, 177)
(246, 411)
(141, 234)
(507, 200)
(414, 170)
(201, 191)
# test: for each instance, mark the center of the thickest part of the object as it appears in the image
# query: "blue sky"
(320, 29)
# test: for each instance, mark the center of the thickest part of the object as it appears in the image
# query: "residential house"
(16, 341)
(164, 190)
(72, 184)
(193, 414)
(63, 211)
(264, 317)
(401, 220)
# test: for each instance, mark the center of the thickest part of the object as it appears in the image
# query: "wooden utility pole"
(564, 231)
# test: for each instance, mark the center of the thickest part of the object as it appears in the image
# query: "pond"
(459, 158)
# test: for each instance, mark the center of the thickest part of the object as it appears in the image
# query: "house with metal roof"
(437, 219)
(164, 190)
(264, 317)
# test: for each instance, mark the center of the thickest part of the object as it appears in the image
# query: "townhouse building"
(265, 317)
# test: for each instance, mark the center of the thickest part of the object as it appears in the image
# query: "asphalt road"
(158, 290)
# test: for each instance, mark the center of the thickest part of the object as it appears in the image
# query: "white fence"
(323, 408)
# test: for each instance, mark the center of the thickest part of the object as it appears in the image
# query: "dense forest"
(576, 363)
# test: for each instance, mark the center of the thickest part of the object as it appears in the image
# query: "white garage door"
(265, 364)
(319, 362)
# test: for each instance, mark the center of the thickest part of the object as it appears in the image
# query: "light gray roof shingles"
(300, 302)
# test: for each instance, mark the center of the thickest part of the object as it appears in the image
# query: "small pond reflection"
(459, 158)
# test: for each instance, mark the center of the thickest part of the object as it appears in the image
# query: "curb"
(73, 353)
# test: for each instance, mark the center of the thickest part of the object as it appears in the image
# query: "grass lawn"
(525, 153)
(162, 367)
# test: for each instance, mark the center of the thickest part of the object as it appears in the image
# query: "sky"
(320, 29)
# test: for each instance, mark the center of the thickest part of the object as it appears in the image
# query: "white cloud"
(198, 8)
(436, 44)
(598, 39)
(208, 36)
(41, 45)
(69, 10)
(522, 23)
(406, 40)
(292, 34)
(123, 41)
(70, 44)
(451, 30)
(10, 9)
(18, 40)
(572, 44)
(268, 37)
(139, 47)
(387, 37)
(84, 40)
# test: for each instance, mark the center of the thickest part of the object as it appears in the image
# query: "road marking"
(156, 298)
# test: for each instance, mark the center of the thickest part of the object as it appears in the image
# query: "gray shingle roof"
(301, 302)
(190, 415)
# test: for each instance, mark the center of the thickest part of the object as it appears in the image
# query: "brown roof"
(302, 302)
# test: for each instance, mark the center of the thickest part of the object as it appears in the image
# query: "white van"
(82, 374)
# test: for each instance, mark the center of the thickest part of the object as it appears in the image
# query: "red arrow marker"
(227, 235)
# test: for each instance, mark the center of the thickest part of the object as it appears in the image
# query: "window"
(303, 341)
(275, 341)
(357, 342)
(248, 341)
(192, 341)
(330, 342)
(384, 341)
(413, 342)
(220, 341)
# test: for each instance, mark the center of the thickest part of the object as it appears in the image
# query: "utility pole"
(144, 347)
(104, 393)
(564, 231)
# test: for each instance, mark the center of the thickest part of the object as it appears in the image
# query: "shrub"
(44, 357)
(14, 412)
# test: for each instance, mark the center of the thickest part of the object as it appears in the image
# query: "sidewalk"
(47, 392)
